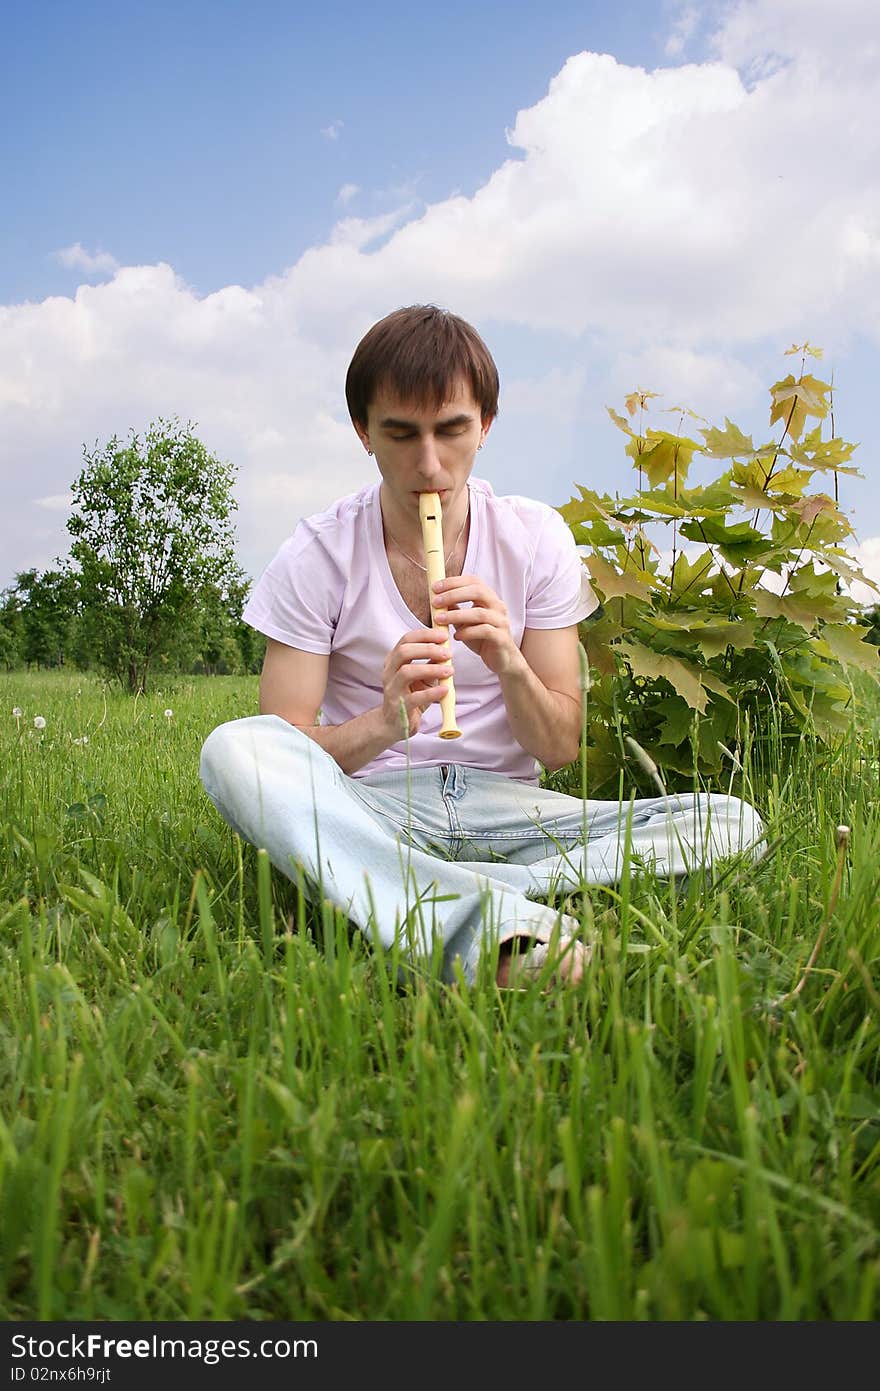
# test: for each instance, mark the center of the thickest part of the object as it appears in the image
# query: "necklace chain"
(447, 558)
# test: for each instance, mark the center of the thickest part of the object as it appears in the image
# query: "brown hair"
(420, 353)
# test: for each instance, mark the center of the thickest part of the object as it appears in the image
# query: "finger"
(416, 673)
(462, 588)
(420, 700)
(420, 635)
(422, 651)
(467, 617)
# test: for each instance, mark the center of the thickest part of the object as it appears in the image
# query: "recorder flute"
(432, 541)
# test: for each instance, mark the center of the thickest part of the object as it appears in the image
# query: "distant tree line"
(46, 621)
(151, 582)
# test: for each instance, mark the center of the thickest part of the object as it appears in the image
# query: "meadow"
(217, 1103)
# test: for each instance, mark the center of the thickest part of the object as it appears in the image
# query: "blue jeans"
(448, 857)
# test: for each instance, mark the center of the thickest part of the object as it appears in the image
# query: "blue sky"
(207, 205)
(192, 133)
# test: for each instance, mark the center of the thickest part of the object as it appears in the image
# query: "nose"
(428, 462)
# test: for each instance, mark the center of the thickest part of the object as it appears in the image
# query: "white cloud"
(346, 193)
(655, 228)
(361, 232)
(683, 29)
(557, 393)
(331, 132)
(55, 502)
(714, 384)
(762, 35)
(77, 258)
(867, 557)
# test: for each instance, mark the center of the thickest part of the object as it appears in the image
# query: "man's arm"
(293, 683)
(540, 680)
(542, 693)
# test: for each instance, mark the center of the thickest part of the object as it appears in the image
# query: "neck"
(408, 541)
(406, 532)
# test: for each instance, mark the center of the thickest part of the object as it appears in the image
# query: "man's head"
(421, 355)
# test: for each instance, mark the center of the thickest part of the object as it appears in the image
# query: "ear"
(363, 435)
(487, 422)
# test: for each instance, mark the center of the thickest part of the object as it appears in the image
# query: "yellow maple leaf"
(794, 400)
(619, 420)
(638, 399)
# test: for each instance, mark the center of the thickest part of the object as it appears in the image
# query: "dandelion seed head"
(39, 722)
(168, 714)
(16, 713)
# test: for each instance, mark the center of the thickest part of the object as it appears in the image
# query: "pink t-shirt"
(329, 589)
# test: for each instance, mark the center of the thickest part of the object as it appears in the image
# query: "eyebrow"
(390, 422)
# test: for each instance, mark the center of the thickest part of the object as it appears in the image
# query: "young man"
(343, 777)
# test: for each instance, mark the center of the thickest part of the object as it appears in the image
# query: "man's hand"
(483, 627)
(408, 680)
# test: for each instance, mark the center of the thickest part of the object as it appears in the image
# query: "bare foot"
(553, 963)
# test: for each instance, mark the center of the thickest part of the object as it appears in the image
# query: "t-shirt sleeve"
(560, 593)
(293, 600)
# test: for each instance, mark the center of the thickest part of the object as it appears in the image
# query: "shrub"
(739, 620)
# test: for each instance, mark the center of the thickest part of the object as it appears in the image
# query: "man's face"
(423, 449)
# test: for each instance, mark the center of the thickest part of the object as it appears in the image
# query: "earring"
(480, 445)
(370, 453)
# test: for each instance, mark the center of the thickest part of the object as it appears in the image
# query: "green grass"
(215, 1103)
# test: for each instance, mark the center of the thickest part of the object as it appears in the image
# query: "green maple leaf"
(729, 443)
(828, 718)
(691, 578)
(800, 611)
(597, 534)
(757, 475)
(841, 562)
(819, 454)
(614, 584)
(588, 507)
(677, 720)
(683, 678)
(715, 638)
(807, 580)
(713, 683)
(711, 501)
(846, 642)
(736, 543)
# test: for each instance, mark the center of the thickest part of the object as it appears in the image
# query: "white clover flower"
(16, 713)
(83, 740)
(168, 714)
(39, 722)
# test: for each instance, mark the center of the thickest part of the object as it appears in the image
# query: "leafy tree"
(688, 652)
(152, 529)
(10, 630)
(47, 610)
(219, 652)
